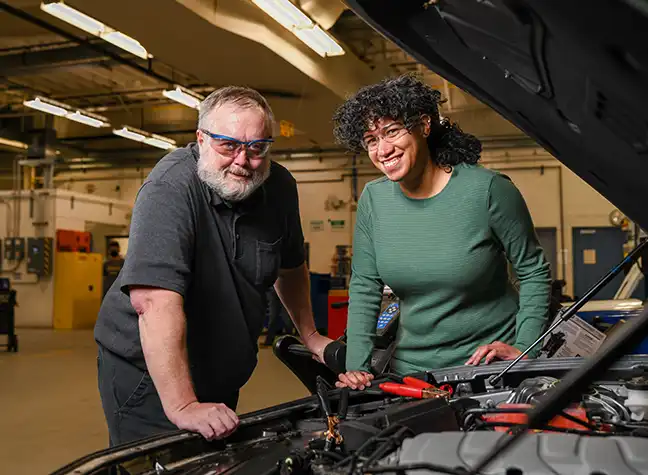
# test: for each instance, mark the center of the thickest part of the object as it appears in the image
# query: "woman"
(438, 229)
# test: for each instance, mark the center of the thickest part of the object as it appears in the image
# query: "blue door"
(596, 251)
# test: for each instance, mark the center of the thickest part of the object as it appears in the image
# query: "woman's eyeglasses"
(389, 134)
(231, 147)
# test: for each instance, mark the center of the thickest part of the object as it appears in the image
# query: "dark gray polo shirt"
(221, 257)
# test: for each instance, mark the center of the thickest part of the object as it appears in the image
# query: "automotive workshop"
(234, 238)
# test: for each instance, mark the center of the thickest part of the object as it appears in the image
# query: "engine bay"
(337, 431)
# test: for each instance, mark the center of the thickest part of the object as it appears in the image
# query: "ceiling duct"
(324, 12)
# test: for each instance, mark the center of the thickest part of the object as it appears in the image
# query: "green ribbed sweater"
(445, 257)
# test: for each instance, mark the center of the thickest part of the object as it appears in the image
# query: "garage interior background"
(59, 174)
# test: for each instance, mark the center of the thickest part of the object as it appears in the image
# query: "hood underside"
(572, 75)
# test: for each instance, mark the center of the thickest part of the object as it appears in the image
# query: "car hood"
(572, 75)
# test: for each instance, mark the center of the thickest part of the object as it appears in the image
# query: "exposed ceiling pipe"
(77, 39)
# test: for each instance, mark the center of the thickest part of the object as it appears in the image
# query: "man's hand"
(316, 344)
(497, 349)
(212, 421)
(354, 380)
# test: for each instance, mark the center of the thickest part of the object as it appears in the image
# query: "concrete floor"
(50, 413)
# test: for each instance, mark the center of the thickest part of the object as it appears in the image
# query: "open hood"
(572, 75)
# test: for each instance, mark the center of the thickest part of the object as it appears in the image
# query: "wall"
(40, 214)
(540, 179)
(536, 173)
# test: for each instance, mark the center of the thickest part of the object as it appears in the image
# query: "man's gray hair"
(239, 95)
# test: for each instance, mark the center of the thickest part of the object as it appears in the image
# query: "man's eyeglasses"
(231, 147)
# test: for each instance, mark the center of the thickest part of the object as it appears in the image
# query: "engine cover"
(534, 454)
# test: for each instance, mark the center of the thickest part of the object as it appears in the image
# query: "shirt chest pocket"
(268, 262)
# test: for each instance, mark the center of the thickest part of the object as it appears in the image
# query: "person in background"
(438, 229)
(215, 224)
(112, 266)
(278, 318)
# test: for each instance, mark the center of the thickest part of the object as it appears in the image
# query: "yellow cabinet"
(77, 289)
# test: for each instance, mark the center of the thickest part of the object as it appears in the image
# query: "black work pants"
(131, 404)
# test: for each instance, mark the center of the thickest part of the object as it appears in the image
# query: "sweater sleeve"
(511, 223)
(365, 291)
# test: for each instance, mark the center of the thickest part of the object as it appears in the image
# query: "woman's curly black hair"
(404, 98)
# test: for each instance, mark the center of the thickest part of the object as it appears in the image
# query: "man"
(215, 224)
(112, 266)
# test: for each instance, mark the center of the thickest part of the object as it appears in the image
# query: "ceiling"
(202, 45)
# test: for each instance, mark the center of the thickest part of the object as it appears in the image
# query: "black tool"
(568, 312)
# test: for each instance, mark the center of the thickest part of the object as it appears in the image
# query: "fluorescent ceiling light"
(95, 27)
(85, 166)
(74, 17)
(63, 110)
(295, 20)
(126, 43)
(84, 118)
(80, 160)
(184, 96)
(320, 41)
(163, 144)
(129, 134)
(285, 13)
(145, 137)
(13, 143)
(40, 104)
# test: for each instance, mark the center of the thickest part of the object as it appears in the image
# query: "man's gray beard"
(229, 189)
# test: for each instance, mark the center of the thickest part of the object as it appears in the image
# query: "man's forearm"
(162, 332)
(293, 289)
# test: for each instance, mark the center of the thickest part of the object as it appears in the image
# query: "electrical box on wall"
(39, 256)
(14, 249)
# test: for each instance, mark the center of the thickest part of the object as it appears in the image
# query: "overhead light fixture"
(285, 12)
(320, 41)
(88, 119)
(74, 17)
(297, 22)
(86, 166)
(145, 137)
(126, 43)
(13, 143)
(184, 96)
(160, 142)
(63, 110)
(129, 134)
(46, 106)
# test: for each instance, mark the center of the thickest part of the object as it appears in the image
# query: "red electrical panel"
(73, 241)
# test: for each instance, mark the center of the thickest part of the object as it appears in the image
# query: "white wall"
(317, 180)
(41, 213)
(538, 176)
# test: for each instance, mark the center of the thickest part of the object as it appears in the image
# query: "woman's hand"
(497, 349)
(354, 380)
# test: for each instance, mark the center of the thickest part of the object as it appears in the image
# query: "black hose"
(390, 444)
(344, 403)
(385, 432)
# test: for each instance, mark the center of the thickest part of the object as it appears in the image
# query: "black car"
(573, 75)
